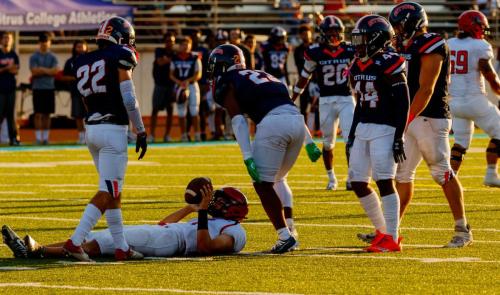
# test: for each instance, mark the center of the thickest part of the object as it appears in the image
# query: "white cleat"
(331, 186)
(491, 180)
(461, 238)
(295, 234)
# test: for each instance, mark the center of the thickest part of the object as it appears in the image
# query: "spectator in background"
(251, 43)
(163, 93)
(235, 36)
(78, 110)
(203, 53)
(44, 66)
(305, 34)
(185, 71)
(9, 66)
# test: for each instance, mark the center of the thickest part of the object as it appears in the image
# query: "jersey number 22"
(95, 73)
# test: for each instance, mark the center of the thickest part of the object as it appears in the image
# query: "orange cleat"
(385, 244)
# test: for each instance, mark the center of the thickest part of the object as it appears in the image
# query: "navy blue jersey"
(372, 85)
(275, 58)
(429, 43)
(185, 65)
(330, 65)
(257, 92)
(97, 80)
(161, 73)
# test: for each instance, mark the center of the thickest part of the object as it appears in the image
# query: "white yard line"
(139, 290)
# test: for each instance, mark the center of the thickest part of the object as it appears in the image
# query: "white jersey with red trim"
(216, 226)
(466, 78)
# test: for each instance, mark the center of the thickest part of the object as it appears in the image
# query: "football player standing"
(275, 53)
(104, 79)
(429, 123)
(278, 139)
(375, 142)
(330, 60)
(471, 57)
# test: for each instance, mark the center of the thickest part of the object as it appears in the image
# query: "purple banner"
(49, 15)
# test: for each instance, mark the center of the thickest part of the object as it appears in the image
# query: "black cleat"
(14, 242)
(283, 246)
(34, 249)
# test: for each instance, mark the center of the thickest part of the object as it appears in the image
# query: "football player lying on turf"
(221, 234)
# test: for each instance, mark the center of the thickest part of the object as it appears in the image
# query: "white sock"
(284, 233)
(310, 122)
(371, 204)
(391, 214)
(45, 134)
(284, 192)
(491, 169)
(38, 135)
(331, 175)
(289, 223)
(461, 223)
(115, 225)
(89, 219)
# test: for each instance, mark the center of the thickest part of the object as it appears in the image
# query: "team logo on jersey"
(397, 10)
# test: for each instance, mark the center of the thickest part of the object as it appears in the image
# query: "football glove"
(252, 169)
(398, 150)
(348, 146)
(313, 152)
(141, 144)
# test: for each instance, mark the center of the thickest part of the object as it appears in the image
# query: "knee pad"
(458, 153)
(494, 146)
(442, 176)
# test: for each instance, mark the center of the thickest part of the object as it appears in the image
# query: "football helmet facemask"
(331, 29)
(228, 203)
(116, 30)
(371, 34)
(473, 23)
(278, 35)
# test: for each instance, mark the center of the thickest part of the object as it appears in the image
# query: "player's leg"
(346, 113)
(194, 109)
(405, 174)
(269, 148)
(159, 93)
(328, 122)
(360, 174)
(435, 150)
(463, 130)
(489, 122)
(384, 172)
(50, 107)
(181, 115)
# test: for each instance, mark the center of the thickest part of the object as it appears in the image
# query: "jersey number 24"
(95, 73)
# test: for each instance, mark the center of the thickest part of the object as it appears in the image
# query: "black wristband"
(202, 219)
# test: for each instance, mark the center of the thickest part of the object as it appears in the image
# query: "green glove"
(313, 152)
(252, 169)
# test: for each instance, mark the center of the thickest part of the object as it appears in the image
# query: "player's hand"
(313, 152)
(398, 150)
(141, 144)
(348, 146)
(252, 169)
(206, 197)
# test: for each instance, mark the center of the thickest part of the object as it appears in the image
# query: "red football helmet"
(228, 203)
(473, 23)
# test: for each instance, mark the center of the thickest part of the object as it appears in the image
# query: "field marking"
(15, 193)
(136, 222)
(52, 164)
(123, 289)
(11, 268)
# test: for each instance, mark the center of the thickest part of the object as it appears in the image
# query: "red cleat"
(76, 251)
(130, 254)
(386, 244)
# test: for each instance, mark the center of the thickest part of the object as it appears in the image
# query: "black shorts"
(78, 110)
(44, 101)
(163, 96)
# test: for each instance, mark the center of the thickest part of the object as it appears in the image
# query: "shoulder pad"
(431, 43)
(127, 57)
(391, 63)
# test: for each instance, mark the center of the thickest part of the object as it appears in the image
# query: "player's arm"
(205, 244)
(429, 73)
(171, 75)
(131, 104)
(179, 214)
(401, 99)
(197, 72)
(490, 75)
(305, 75)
